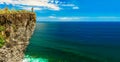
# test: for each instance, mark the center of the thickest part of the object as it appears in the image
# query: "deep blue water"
(76, 42)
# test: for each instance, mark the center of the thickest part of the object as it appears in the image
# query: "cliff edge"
(15, 32)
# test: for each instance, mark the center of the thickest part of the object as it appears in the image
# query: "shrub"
(2, 41)
(12, 11)
(2, 28)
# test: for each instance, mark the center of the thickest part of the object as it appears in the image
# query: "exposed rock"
(18, 30)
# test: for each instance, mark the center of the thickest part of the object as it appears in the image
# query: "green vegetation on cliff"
(12, 11)
(16, 29)
(2, 28)
(2, 40)
(7, 17)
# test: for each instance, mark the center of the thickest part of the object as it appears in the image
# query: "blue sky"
(69, 10)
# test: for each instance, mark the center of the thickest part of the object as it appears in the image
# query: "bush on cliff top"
(7, 11)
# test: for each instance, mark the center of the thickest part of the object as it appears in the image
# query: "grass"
(2, 28)
(12, 11)
(2, 41)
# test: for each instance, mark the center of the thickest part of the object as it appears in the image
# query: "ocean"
(74, 42)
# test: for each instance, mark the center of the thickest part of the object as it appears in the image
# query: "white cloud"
(51, 17)
(54, 18)
(40, 3)
(75, 7)
(70, 5)
(29, 8)
(69, 18)
(82, 19)
(1, 3)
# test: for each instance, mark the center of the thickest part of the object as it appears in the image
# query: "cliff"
(15, 32)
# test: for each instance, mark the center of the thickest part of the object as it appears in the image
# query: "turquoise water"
(75, 42)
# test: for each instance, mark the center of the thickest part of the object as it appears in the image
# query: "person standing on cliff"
(6, 9)
(32, 9)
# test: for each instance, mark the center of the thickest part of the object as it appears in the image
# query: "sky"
(68, 10)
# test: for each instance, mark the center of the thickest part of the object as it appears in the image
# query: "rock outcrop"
(16, 30)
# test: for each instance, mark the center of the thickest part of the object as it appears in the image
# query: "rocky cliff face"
(15, 32)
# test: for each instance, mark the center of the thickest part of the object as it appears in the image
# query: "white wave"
(32, 59)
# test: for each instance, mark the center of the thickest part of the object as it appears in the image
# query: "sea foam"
(28, 58)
